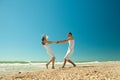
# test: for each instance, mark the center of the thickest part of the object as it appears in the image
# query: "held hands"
(57, 42)
(54, 42)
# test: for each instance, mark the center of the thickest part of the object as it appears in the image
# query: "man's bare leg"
(64, 63)
(71, 63)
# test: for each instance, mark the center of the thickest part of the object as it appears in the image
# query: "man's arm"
(63, 41)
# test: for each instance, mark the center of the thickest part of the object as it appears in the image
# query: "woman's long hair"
(43, 38)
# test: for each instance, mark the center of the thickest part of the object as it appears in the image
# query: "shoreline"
(18, 67)
(91, 71)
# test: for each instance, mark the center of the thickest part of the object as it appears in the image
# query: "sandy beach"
(92, 71)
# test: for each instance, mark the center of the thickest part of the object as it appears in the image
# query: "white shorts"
(69, 53)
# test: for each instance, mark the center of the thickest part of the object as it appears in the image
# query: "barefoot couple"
(70, 40)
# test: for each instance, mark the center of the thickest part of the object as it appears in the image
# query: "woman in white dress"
(70, 50)
(46, 43)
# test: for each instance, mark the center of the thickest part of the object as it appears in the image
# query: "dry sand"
(99, 71)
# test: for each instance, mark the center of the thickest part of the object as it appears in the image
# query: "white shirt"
(71, 44)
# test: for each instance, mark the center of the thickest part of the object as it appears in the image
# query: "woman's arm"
(51, 42)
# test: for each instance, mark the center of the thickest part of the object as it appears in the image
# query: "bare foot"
(53, 67)
(74, 65)
(62, 66)
(47, 66)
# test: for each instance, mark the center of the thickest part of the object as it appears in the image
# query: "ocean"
(29, 66)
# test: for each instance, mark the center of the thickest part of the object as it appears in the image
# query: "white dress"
(48, 49)
(70, 49)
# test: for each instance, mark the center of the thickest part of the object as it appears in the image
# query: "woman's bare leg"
(53, 61)
(48, 63)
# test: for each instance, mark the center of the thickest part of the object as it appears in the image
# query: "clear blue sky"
(95, 25)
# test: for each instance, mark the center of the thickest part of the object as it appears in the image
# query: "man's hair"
(70, 33)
